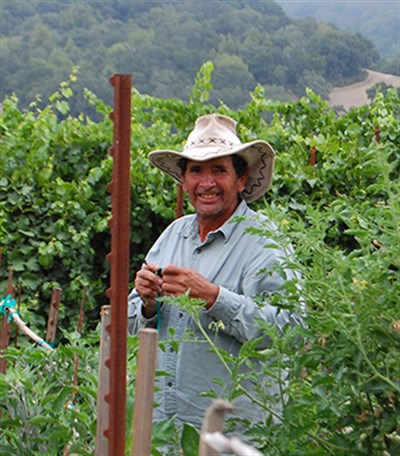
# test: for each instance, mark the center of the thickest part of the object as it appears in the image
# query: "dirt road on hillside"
(355, 95)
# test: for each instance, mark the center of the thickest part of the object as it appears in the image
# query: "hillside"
(163, 45)
(377, 20)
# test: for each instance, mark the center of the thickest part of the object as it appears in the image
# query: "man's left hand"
(177, 280)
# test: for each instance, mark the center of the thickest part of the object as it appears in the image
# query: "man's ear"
(243, 180)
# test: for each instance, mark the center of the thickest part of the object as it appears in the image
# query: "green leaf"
(190, 439)
(42, 420)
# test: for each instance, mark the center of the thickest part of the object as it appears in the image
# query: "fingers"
(148, 283)
(177, 280)
(153, 267)
(172, 270)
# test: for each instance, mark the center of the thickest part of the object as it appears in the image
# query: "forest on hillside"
(377, 20)
(163, 45)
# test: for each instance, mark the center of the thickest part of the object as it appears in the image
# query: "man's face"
(213, 188)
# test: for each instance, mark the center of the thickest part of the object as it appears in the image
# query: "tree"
(162, 38)
(344, 55)
(232, 80)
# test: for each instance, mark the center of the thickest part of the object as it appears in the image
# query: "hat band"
(210, 141)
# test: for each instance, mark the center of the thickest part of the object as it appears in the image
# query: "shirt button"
(171, 350)
(170, 384)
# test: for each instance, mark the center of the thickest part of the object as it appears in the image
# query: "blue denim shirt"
(231, 258)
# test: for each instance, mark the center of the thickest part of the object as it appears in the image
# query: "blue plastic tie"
(45, 342)
(158, 302)
(7, 303)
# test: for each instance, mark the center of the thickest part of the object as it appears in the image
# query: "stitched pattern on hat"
(208, 141)
(258, 180)
(164, 165)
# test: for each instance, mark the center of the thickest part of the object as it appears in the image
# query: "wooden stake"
(53, 315)
(101, 448)
(144, 392)
(5, 326)
(79, 329)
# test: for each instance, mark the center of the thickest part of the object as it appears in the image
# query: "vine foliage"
(341, 214)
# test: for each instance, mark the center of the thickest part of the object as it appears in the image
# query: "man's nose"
(207, 180)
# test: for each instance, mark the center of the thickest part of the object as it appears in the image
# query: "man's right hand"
(148, 285)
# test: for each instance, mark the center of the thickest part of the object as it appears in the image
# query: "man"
(212, 256)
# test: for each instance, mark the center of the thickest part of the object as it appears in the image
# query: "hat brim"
(259, 156)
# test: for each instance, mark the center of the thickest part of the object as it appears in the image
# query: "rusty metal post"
(179, 202)
(119, 260)
(377, 134)
(5, 326)
(53, 315)
(313, 156)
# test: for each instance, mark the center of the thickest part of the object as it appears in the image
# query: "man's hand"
(176, 281)
(148, 285)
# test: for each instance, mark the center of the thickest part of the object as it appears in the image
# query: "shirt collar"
(228, 227)
(191, 229)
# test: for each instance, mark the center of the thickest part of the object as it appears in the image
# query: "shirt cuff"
(225, 306)
(147, 322)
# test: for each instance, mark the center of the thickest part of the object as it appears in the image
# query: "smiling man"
(214, 189)
(212, 256)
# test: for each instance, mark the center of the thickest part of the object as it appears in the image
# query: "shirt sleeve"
(240, 312)
(136, 320)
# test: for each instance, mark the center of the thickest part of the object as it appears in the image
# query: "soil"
(355, 95)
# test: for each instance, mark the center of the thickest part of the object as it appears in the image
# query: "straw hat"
(215, 136)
